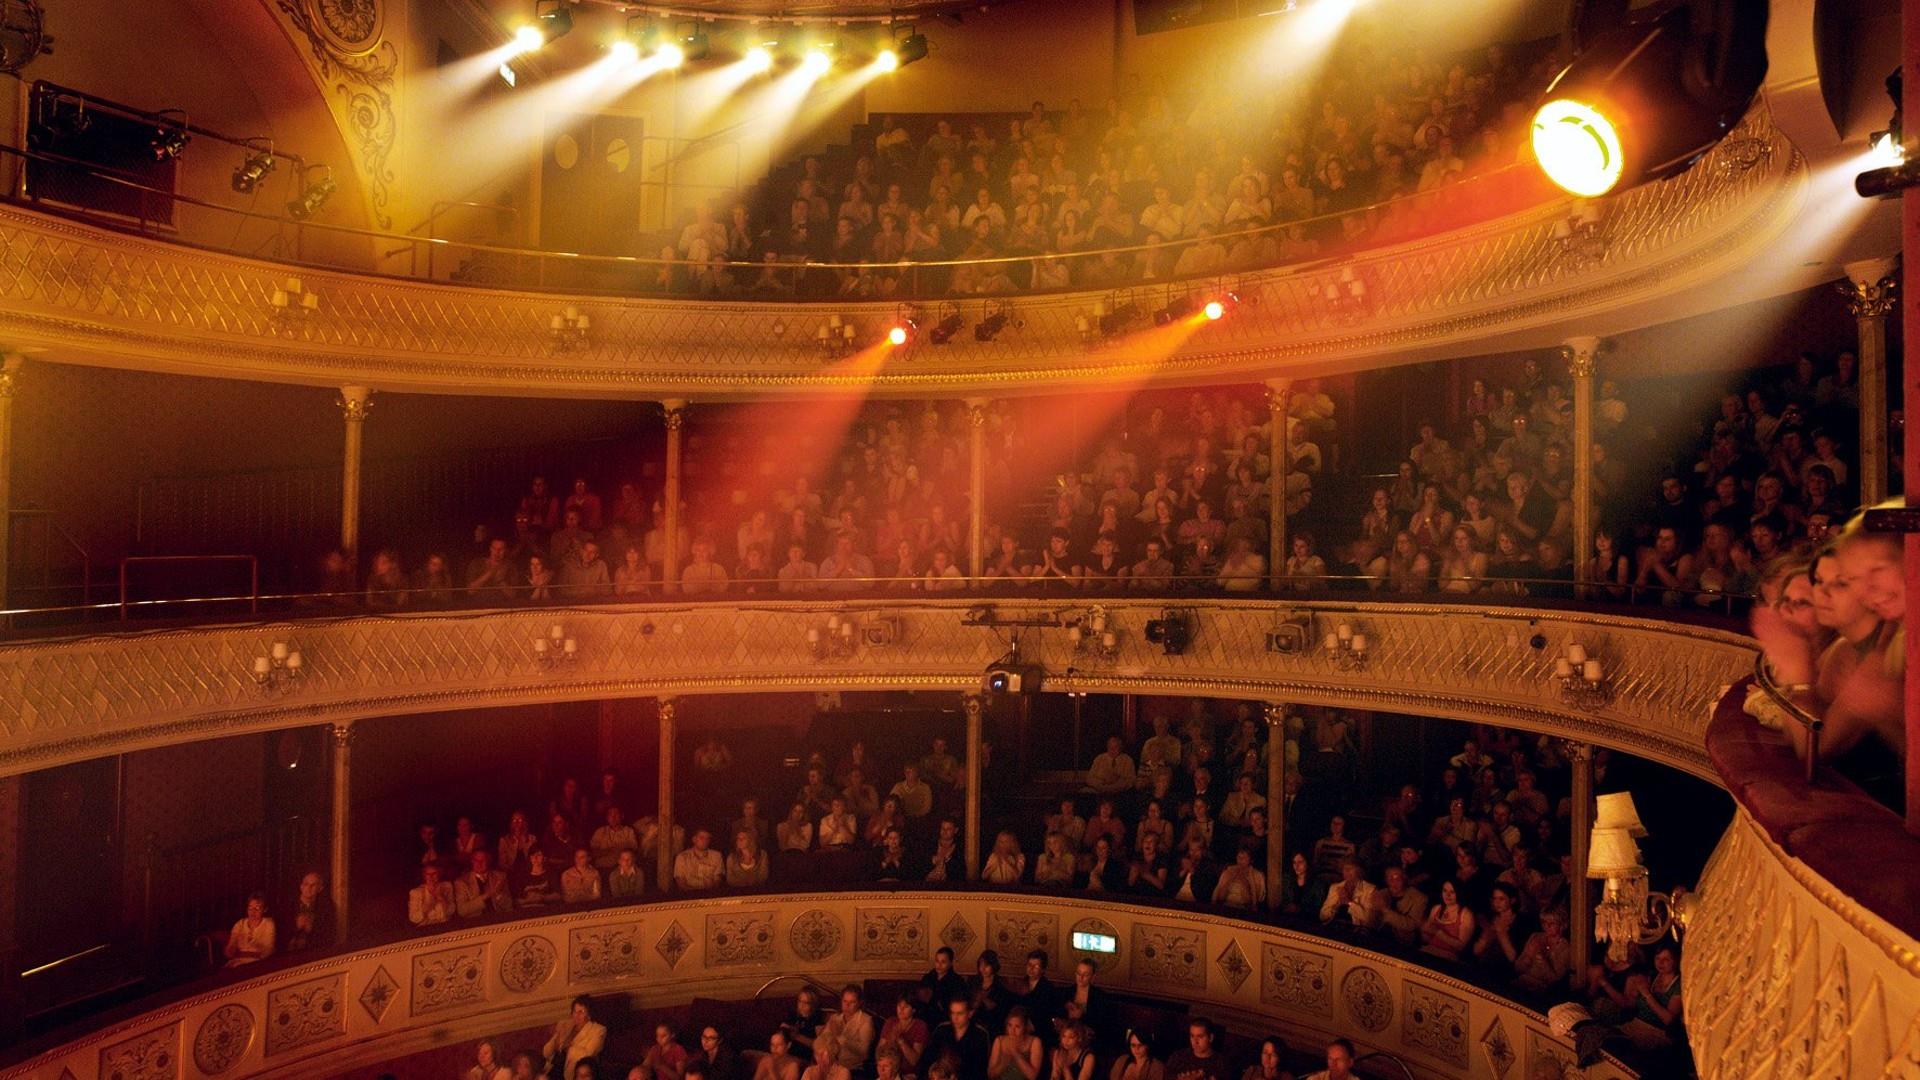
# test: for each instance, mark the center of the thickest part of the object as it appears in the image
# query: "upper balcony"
(114, 292)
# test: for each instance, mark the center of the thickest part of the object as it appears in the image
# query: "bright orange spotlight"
(897, 336)
(759, 58)
(1214, 309)
(528, 38)
(1578, 147)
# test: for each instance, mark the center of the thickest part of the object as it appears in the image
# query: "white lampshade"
(1616, 811)
(1612, 853)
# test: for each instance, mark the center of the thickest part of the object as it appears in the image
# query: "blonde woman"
(1007, 865)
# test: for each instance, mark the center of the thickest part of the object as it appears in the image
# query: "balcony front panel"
(71, 699)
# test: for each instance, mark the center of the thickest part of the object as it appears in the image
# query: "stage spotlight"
(1218, 307)
(817, 62)
(694, 43)
(169, 140)
(997, 320)
(625, 51)
(670, 56)
(1650, 92)
(908, 49)
(759, 59)
(528, 38)
(1171, 631)
(948, 326)
(1214, 309)
(554, 20)
(901, 332)
(1175, 310)
(248, 174)
(886, 60)
(313, 194)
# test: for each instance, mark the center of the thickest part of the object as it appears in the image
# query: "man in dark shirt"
(939, 986)
(1198, 1061)
(1042, 999)
(965, 1043)
(890, 862)
(716, 1058)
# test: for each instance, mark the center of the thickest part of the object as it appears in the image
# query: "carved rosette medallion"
(958, 935)
(527, 963)
(1369, 1001)
(353, 27)
(1498, 1050)
(1296, 979)
(815, 935)
(746, 938)
(150, 1055)
(1233, 965)
(306, 1013)
(1435, 1024)
(223, 1039)
(1016, 933)
(604, 952)
(890, 934)
(1170, 954)
(450, 978)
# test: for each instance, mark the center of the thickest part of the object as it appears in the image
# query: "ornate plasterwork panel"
(958, 934)
(1233, 965)
(673, 944)
(743, 938)
(450, 978)
(151, 1055)
(527, 963)
(607, 952)
(358, 69)
(72, 699)
(378, 995)
(1368, 998)
(143, 301)
(1014, 934)
(305, 1013)
(891, 934)
(1175, 955)
(815, 935)
(1296, 979)
(1435, 1023)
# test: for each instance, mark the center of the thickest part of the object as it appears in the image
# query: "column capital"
(1278, 391)
(1583, 354)
(354, 402)
(342, 734)
(668, 706)
(977, 411)
(676, 412)
(1576, 750)
(1870, 287)
(1275, 714)
(973, 704)
(9, 365)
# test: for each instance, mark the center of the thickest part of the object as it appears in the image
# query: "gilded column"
(9, 375)
(1870, 289)
(1579, 891)
(670, 497)
(1276, 716)
(1280, 456)
(341, 838)
(1582, 356)
(354, 401)
(663, 862)
(976, 488)
(976, 707)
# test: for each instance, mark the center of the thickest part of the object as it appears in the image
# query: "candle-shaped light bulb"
(1109, 639)
(1346, 632)
(261, 665)
(540, 646)
(1099, 620)
(1562, 668)
(1074, 634)
(1332, 643)
(570, 646)
(1359, 643)
(558, 322)
(556, 631)
(833, 321)
(279, 650)
(1576, 653)
(846, 629)
(1591, 671)
(294, 661)
(813, 635)
(833, 622)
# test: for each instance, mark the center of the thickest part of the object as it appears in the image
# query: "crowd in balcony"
(1465, 869)
(1215, 180)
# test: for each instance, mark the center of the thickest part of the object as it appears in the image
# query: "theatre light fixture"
(1628, 913)
(1649, 91)
(556, 649)
(248, 174)
(278, 668)
(313, 193)
(169, 139)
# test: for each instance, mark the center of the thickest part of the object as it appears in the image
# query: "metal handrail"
(1176, 590)
(252, 561)
(1763, 678)
(405, 241)
(807, 980)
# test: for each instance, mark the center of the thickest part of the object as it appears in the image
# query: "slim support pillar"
(1280, 459)
(341, 837)
(1870, 289)
(975, 706)
(976, 488)
(9, 375)
(670, 497)
(354, 402)
(1582, 355)
(1276, 717)
(1579, 890)
(663, 861)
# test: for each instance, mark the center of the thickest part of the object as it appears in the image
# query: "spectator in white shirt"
(252, 937)
(430, 903)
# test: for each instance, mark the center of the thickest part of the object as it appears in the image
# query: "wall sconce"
(1346, 648)
(1093, 634)
(279, 668)
(1581, 679)
(556, 649)
(1581, 239)
(1628, 914)
(835, 336)
(569, 329)
(292, 303)
(838, 639)
(1345, 297)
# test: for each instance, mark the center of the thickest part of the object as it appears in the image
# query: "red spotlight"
(901, 332)
(1218, 307)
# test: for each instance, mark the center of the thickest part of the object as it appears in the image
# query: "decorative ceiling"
(823, 10)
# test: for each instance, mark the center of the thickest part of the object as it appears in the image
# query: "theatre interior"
(957, 540)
